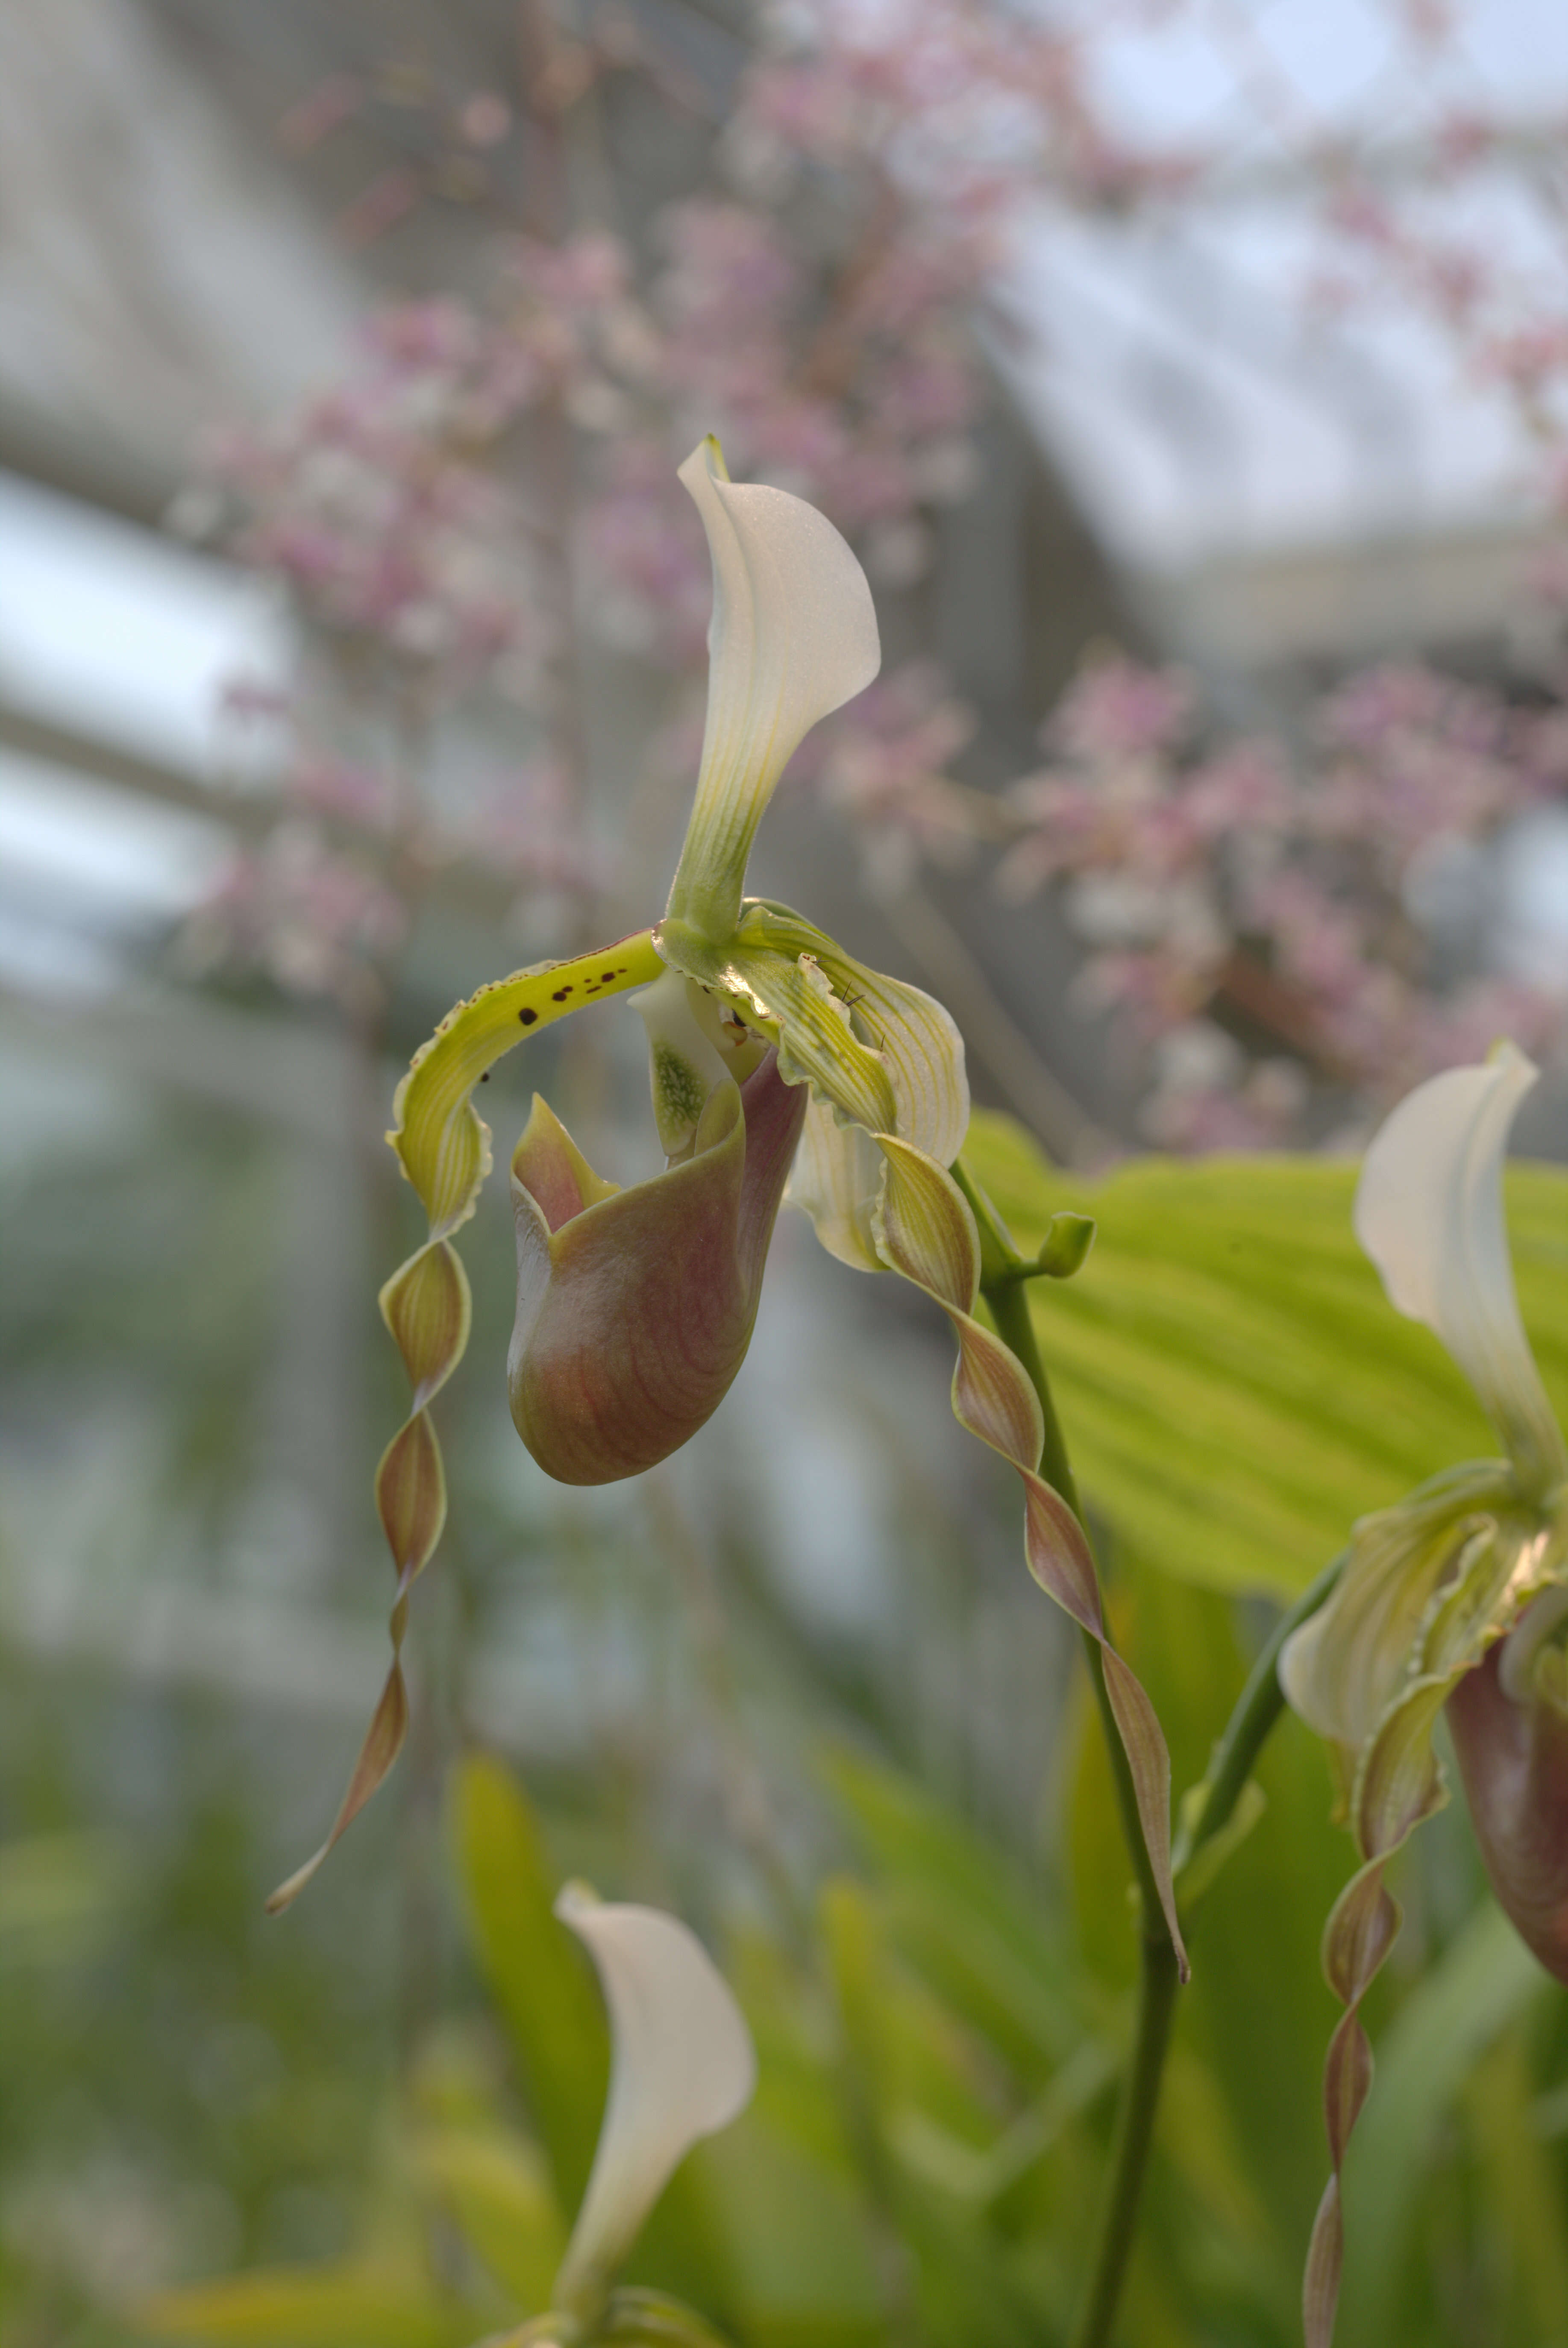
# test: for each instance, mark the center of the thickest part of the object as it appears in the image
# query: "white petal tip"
(1428, 1212)
(684, 2066)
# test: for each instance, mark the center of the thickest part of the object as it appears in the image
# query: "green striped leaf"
(348, 2306)
(1234, 1386)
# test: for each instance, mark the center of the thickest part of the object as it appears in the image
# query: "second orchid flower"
(1455, 1599)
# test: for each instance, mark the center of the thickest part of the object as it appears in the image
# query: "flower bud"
(635, 1308)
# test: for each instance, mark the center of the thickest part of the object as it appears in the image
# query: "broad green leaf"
(1196, 2137)
(1523, 2190)
(1235, 1386)
(802, 2264)
(908, 2049)
(1482, 1980)
(1257, 2014)
(494, 2185)
(348, 2306)
(904, 2059)
(540, 1978)
(959, 1913)
(57, 1892)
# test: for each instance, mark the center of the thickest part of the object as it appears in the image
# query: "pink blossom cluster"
(1258, 922)
(497, 477)
(856, 387)
(879, 765)
(324, 901)
(958, 103)
(1460, 250)
(314, 917)
(369, 506)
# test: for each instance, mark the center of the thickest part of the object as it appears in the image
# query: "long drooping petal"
(444, 1147)
(443, 1143)
(683, 2067)
(926, 1232)
(793, 636)
(635, 1308)
(1428, 1212)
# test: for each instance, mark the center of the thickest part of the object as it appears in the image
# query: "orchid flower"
(682, 2067)
(768, 1044)
(1455, 1597)
(634, 1307)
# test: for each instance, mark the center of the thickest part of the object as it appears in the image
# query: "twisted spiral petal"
(444, 1147)
(1494, 1563)
(926, 1233)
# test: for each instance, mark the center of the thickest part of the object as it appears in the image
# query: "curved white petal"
(837, 1181)
(793, 635)
(1428, 1212)
(682, 2067)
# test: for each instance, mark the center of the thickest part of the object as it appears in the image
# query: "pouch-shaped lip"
(634, 1313)
(1513, 1761)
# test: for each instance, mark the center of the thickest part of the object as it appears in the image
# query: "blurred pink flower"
(879, 764)
(314, 921)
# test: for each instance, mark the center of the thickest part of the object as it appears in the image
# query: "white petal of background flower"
(683, 2067)
(1428, 1212)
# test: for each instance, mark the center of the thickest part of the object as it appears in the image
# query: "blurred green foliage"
(368, 2126)
(938, 2055)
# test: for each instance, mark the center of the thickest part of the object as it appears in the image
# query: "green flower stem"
(1253, 1714)
(1008, 1305)
(1157, 1986)
(1002, 1285)
(1255, 1711)
(1007, 1301)
(1004, 1280)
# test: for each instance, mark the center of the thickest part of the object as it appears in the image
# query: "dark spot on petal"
(561, 994)
(528, 1017)
(605, 976)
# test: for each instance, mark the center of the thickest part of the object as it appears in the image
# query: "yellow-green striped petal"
(439, 1137)
(886, 1055)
